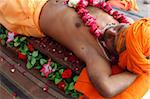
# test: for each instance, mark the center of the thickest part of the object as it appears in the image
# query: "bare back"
(64, 25)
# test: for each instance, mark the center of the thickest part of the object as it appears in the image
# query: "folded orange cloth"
(22, 16)
(124, 4)
(133, 58)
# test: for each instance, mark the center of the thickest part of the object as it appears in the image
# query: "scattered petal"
(13, 70)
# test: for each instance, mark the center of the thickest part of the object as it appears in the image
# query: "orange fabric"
(137, 48)
(22, 16)
(134, 59)
(124, 4)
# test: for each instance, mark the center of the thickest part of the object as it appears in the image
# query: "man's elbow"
(106, 90)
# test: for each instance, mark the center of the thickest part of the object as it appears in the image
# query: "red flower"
(0, 40)
(61, 85)
(67, 73)
(22, 56)
(30, 46)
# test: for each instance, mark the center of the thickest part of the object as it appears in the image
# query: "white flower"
(73, 3)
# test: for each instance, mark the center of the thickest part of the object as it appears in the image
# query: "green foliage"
(35, 53)
(29, 65)
(43, 61)
(37, 60)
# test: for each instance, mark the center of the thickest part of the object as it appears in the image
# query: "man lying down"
(129, 79)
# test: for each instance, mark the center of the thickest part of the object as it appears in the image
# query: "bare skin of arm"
(69, 30)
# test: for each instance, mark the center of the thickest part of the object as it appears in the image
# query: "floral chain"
(89, 20)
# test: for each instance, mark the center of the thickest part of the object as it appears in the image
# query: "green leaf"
(38, 67)
(71, 86)
(22, 39)
(61, 71)
(43, 61)
(55, 67)
(10, 44)
(3, 42)
(75, 95)
(57, 80)
(25, 48)
(50, 75)
(52, 64)
(58, 75)
(33, 61)
(52, 78)
(3, 36)
(75, 78)
(35, 53)
(29, 65)
(42, 74)
(67, 92)
(16, 39)
(16, 44)
(29, 57)
(39, 57)
(24, 52)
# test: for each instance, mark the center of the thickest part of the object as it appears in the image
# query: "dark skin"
(69, 30)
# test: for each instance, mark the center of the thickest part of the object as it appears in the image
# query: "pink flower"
(86, 17)
(98, 33)
(46, 70)
(82, 12)
(115, 14)
(82, 4)
(95, 2)
(123, 19)
(105, 7)
(10, 37)
(90, 21)
(110, 12)
(93, 28)
(97, 5)
(103, 4)
(90, 2)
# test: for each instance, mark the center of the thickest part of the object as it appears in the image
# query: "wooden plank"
(27, 78)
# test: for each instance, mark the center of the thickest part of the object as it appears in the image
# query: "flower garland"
(63, 77)
(88, 19)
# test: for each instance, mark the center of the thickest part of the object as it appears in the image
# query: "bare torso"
(63, 24)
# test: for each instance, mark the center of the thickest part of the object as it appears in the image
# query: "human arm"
(106, 84)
